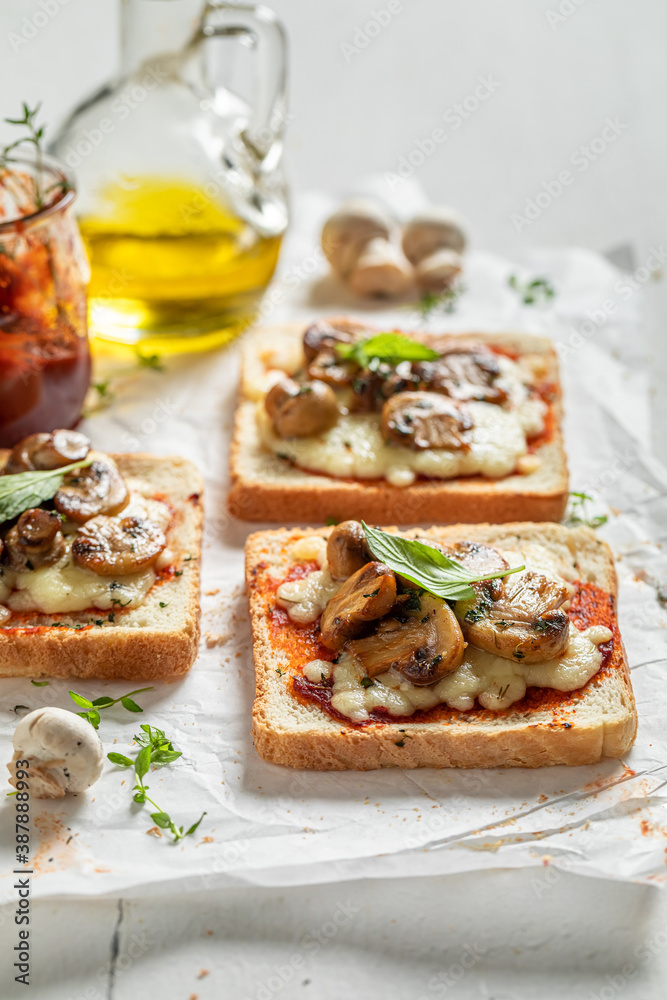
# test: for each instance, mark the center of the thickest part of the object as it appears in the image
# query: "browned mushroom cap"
(324, 336)
(424, 646)
(523, 623)
(20, 457)
(47, 451)
(35, 540)
(425, 420)
(372, 386)
(347, 549)
(516, 617)
(112, 546)
(279, 394)
(367, 388)
(365, 597)
(476, 557)
(324, 363)
(462, 374)
(96, 489)
(301, 410)
(328, 367)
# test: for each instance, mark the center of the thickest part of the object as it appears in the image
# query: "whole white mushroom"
(357, 243)
(433, 242)
(349, 229)
(63, 751)
(438, 228)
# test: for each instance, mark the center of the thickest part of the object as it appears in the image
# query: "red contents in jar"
(44, 354)
(43, 381)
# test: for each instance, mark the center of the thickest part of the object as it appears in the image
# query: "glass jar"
(182, 200)
(44, 352)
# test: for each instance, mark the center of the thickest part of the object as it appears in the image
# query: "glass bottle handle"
(267, 36)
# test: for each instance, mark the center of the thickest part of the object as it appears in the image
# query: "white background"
(356, 113)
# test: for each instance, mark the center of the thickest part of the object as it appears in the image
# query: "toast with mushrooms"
(358, 667)
(449, 428)
(99, 561)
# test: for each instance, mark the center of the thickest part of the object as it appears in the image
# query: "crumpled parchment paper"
(267, 825)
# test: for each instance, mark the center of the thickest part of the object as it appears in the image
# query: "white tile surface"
(512, 935)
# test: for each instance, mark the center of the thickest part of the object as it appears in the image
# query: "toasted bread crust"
(602, 723)
(264, 489)
(143, 643)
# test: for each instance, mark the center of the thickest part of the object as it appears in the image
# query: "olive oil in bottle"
(172, 268)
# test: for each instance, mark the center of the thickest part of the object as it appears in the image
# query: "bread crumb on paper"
(216, 639)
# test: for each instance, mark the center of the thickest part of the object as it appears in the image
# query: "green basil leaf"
(139, 797)
(78, 699)
(23, 490)
(93, 718)
(143, 762)
(120, 759)
(390, 347)
(103, 702)
(130, 705)
(39, 684)
(425, 566)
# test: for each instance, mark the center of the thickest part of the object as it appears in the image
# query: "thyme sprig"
(34, 137)
(104, 390)
(578, 512)
(156, 750)
(432, 303)
(535, 291)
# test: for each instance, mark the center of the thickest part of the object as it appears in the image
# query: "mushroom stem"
(439, 271)
(367, 596)
(423, 646)
(380, 270)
